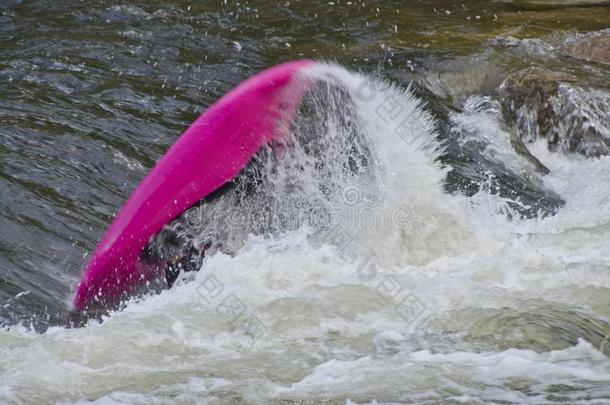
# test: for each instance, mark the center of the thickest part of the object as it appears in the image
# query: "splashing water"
(365, 282)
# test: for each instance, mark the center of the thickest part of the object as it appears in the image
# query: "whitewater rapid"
(407, 294)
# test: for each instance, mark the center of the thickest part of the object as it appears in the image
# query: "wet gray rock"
(594, 49)
(455, 81)
(553, 106)
(469, 155)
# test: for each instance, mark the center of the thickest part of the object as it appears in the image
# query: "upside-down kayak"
(212, 151)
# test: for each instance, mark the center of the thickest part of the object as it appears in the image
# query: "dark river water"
(93, 93)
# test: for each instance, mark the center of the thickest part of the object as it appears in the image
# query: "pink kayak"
(210, 153)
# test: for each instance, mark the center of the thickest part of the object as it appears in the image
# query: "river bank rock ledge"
(543, 104)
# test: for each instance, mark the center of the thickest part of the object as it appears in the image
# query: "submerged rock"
(550, 105)
(595, 49)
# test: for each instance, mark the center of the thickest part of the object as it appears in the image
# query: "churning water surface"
(350, 276)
